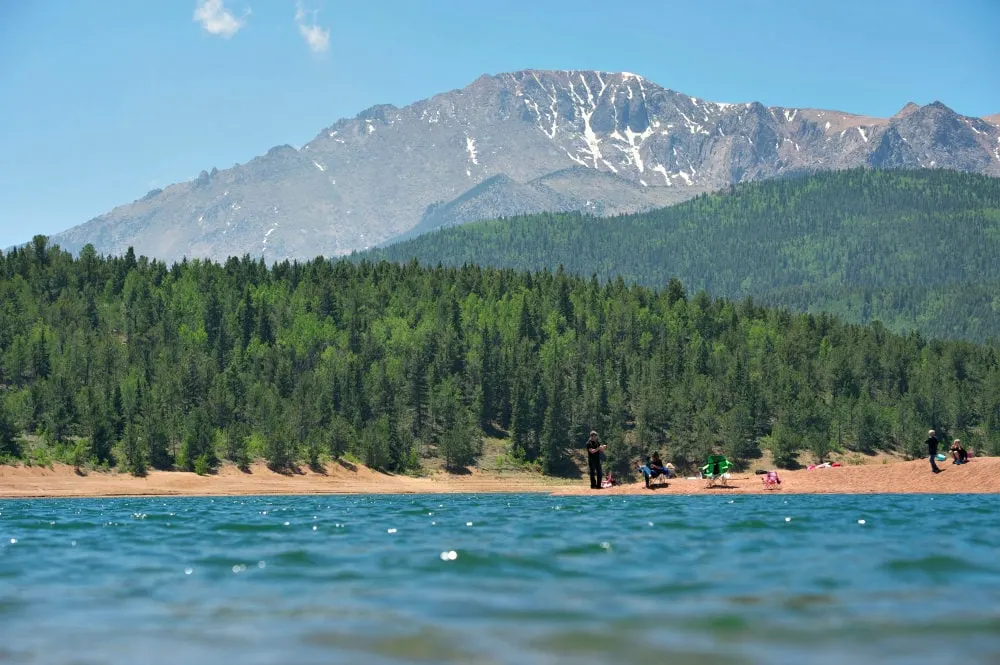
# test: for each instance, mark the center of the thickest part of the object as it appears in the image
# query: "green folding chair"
(716, 471)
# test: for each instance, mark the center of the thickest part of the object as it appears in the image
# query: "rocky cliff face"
(511, 144)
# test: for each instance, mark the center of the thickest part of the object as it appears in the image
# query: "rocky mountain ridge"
(517, 143)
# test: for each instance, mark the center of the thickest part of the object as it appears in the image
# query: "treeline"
(130, 362)
(916, 250)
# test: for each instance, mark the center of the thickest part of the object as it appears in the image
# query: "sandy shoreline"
(982, 475)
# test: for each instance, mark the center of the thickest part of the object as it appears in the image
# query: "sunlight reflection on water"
(400, 579)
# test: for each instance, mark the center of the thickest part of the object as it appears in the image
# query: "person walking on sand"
(932, 448)
(594, 448)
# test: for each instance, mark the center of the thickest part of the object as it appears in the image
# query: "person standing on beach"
(932, 448)
(594, 448)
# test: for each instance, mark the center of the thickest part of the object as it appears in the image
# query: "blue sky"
(103, 100)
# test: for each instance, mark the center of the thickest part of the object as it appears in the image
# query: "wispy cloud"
(216, 19)
(317, 38)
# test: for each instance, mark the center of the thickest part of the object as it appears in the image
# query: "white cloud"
(317, 38)
(216, 19)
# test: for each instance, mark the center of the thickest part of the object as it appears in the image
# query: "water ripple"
(533, 579)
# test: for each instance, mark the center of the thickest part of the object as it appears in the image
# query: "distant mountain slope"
(917, 249)
(366, 180)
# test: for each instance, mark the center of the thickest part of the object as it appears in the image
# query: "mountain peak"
(907, 110)
(938, 106)
(532, 140)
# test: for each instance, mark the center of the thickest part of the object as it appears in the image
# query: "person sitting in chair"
(657, 466)
(654, 468)
(958, 453)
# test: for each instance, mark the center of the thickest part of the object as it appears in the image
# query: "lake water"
(501, 579)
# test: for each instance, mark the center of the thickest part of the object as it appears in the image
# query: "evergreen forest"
(916, 250)
(123, 361)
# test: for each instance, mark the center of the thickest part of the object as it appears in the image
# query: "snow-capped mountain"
(511, 144)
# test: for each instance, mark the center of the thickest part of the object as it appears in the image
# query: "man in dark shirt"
(594, 448)
(932, 448)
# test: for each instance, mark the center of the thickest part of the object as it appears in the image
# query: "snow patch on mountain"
(263, 243)
(470, 146)
(662, 170)
(633, 147)
(593, 144)
(693, 127)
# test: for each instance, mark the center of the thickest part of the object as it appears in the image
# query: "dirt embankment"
(981, 475)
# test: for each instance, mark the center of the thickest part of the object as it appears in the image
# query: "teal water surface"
(501, 579)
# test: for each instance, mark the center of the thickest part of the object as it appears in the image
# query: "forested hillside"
(128, 362)
(917, 250)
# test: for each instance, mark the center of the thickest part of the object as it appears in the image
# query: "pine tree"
(157, 442)
(133, 454)
(461, 443)
(375, 444)
(490, 340)
(197, 449)
(247, 316)
(520, 429)
(40, 361)
(101, 435)
(8, 434)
